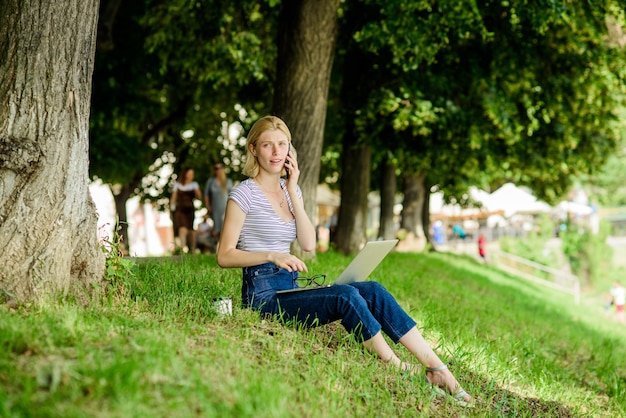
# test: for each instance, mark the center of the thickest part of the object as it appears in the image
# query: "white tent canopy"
(437, 205)
(508, 200)
(575, 208)
(514, 200)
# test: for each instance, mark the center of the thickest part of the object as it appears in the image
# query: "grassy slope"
(157, 349)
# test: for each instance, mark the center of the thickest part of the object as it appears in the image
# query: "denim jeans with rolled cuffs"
(364, 308)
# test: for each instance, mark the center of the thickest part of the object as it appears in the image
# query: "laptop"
(360, 268)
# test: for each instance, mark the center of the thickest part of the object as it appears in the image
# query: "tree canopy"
(170, 78)
(513, 92)
(479, 93)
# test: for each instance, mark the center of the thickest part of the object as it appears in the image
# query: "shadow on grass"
(490, 401)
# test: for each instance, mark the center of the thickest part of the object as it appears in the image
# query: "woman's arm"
(305, 231)
(173, 200)
(229, 256)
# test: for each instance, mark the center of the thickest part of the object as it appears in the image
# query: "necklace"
(282, 193)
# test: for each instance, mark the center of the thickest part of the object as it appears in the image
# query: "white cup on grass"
(223, 305)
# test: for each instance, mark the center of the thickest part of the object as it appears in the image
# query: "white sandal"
(458, 397)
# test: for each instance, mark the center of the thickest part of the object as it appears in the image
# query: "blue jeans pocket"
(261, 280)
(261, 283)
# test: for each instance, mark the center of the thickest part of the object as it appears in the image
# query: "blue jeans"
(364, 308)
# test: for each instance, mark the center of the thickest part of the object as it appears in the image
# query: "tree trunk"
(351, 231)
(426, 216)
(412, 213)
(120, 197)
(306, 45)
(387, 200)
(47, 218)
(356, 86)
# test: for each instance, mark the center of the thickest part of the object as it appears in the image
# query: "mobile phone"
(287, 163)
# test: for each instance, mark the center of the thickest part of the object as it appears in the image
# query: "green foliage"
(414, 33)
(493, 92)
(544, 226)
(473, 93)
(589, 255)
(223, 44)
(177, 67)
(532, 247)
(545, 96)
(606, 186)
(119, 270)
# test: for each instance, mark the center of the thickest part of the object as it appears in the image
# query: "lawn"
(156, 347)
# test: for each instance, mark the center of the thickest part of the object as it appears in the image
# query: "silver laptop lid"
(366, 261)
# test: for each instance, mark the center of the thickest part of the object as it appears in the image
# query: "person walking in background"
(216, 192)
(618, 296)
(205, 241)
(264, 215)
(458, 231)
(186, 190)
(482, 250)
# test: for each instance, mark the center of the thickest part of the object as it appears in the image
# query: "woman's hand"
(292, 166)
(304, 228)
(288, 262)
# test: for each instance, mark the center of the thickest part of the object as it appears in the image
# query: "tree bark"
(412, 212)
(351, 233)
(387, 200)
(120, 197)
(306, 45)
(426, 216)
(356, 86)
(47, 217)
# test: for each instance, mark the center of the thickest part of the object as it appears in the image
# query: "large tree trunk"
(47, 218)
(351, 231)
(306, 45)
(412, 213)
(356, 155)
(387, 200)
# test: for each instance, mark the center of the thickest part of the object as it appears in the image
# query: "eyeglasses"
(316, 280)
(218, 168)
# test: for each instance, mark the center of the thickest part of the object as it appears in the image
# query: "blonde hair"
(266, 123)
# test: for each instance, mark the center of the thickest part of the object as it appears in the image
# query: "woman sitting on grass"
(264, 215)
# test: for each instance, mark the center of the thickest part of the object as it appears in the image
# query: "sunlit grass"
(160, 349)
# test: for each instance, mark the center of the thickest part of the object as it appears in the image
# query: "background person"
(458, 231)
(618, 296)
(264, 215)
(186, 190)
(205, 241)
(216, 192)
(482, 250)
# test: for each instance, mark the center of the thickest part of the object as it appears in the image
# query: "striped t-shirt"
(263, 229)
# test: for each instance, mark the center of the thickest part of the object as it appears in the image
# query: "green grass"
(157, 348)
